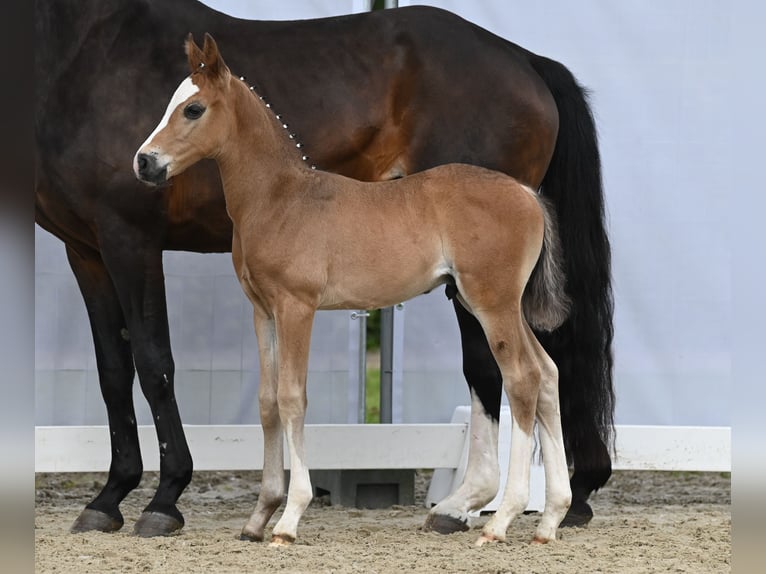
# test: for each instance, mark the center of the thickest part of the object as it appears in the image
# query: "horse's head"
(195, 123)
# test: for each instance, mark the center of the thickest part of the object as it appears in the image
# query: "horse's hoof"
(90, 519)
(250, 536)
(539, 540)
(444, 524)
(486, 539)
(152, 524)
(281, 540)
(579, 514)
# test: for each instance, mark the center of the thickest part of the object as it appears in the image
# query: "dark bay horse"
(297, 248)
(369, 96)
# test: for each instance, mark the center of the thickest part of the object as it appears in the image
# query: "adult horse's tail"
(582, 346)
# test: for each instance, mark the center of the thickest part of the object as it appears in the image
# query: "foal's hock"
(297, 247)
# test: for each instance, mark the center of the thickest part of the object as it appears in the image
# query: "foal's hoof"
(579, 514)
(539, 540)
(487, 539)
(444, 524)
(90, 519)
(281, 540)
(152, 524)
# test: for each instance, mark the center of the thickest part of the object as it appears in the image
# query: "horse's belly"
(374, 290)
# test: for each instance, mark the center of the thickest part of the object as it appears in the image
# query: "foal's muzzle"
(148, 169)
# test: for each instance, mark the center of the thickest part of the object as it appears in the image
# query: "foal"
(298, 247)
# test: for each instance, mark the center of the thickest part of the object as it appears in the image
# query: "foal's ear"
(208, 58)
(213, 60)
(193, 53)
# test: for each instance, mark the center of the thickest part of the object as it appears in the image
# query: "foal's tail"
(545, 302)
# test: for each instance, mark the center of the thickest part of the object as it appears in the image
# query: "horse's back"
(418, 75)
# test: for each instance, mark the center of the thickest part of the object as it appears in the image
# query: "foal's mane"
(208, 63)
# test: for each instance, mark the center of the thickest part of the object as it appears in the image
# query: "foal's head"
(197, 120)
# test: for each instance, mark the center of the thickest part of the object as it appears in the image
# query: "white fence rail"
(351, 446)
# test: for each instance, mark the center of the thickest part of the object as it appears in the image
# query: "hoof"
(90, 519)
(579, 514)
(251, 536)
(444, 524)
(539, 540)
(281, 540)
(486, 539)
(152, 524)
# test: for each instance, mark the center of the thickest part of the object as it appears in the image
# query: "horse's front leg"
(482, 475)
(273, 481)
(114, 360)
(293, 335)
(136, 270)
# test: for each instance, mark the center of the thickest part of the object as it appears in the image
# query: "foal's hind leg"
(521, 380)
(584, 371)
(558, 495)
(482, 475)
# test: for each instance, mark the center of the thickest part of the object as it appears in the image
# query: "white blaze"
(186, 90)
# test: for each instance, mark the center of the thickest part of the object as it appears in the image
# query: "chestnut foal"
(298, 247)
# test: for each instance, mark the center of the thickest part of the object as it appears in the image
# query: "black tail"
(582, 346)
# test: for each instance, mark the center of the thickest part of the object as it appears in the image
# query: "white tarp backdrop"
(661, 79)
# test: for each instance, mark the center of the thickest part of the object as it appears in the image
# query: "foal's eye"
(193, 111)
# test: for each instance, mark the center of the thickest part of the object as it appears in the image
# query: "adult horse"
(369, 96)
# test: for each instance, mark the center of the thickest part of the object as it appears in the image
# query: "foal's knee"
(292, 402)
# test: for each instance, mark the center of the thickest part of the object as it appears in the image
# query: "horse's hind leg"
(521, 379)
(115, 374)
(590, 457)
(482, 474)
(584, 363)
(558, 495)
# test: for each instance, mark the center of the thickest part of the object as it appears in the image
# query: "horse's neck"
(261, 169)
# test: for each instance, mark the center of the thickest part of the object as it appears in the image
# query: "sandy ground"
(645, 522)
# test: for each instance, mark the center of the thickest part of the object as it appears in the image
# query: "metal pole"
(361, 412)
(386, 364)
(387, 337)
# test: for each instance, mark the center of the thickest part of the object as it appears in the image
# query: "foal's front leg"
(273, 481)
(293, 336)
